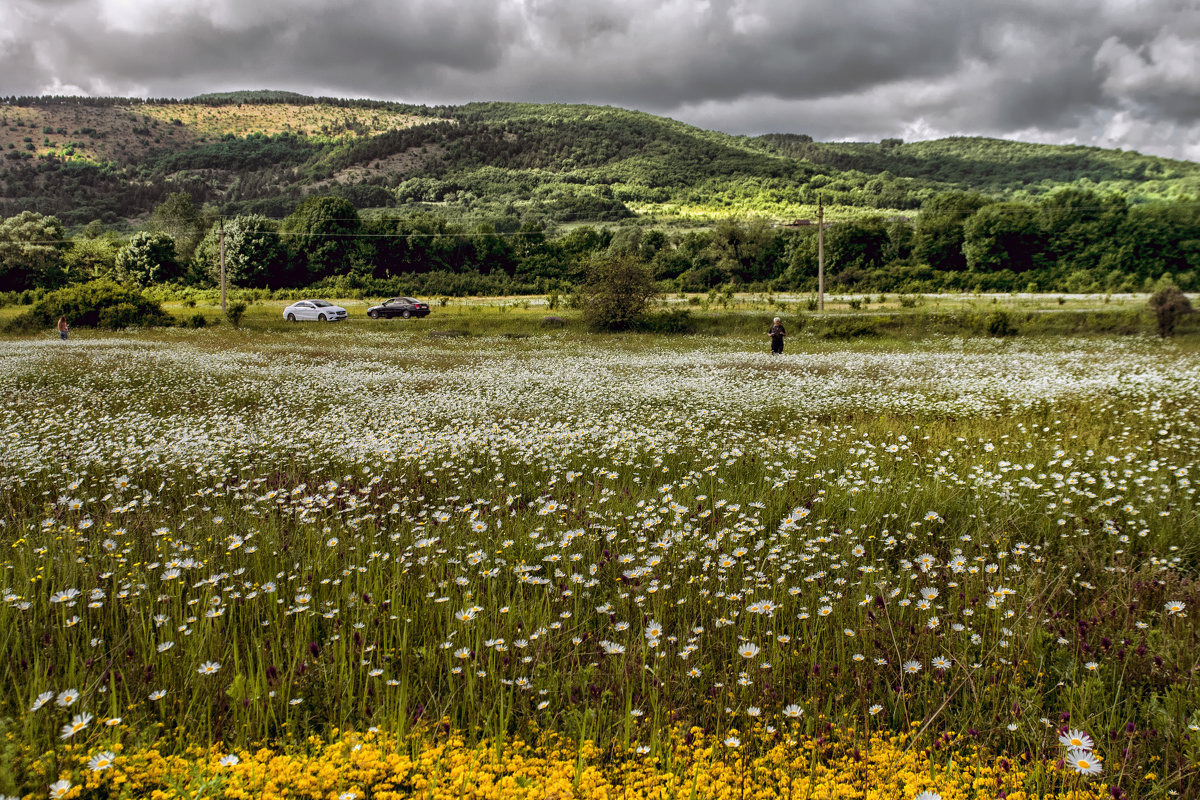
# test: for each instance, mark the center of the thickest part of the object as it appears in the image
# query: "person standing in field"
(777, 333)
(62, 328)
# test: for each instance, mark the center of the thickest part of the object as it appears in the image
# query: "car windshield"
(321, 303)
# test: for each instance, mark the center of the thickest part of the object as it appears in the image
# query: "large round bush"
(97, 304)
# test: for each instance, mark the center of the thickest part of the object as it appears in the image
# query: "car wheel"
(373, 314)
(291, 317)
(406, 313)
(321, 317)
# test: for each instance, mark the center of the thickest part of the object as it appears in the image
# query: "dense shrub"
(118, 315)
(234, 312)
(999, 324)
(97, 304)
(1170, 305)
(677, 320)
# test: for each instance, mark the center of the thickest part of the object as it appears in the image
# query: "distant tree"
(366, 195)
(392, 245)
(746, 251)
(148, 258)
(616, 292)
(673, 258)
(93, 230)
(181, 219)
(1003, 236)
(254, 254)
(938, 237)
(32, 250)
(91, 258)
(641, 243)
(1081, 227)
(627, 240)
(435, 245)
(321, 238)
(1157, 238)
(493, 253)
(859, 244)
(536, 257)
(900, 241)
(800, 256)
(576, 248)
(419, 243)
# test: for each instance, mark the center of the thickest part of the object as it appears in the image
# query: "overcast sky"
(1114, 73)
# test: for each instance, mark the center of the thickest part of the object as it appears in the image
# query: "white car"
(320, 310)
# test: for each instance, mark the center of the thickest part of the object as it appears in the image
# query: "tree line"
(1072, 240)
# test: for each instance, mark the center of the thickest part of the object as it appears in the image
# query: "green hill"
(114, 160)
(1002, 168)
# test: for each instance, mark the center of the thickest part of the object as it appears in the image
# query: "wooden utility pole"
(820, 255)
(221, 239)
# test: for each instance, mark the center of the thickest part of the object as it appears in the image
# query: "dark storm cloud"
(1109, 72)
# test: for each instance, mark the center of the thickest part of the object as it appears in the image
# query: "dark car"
(399, 307)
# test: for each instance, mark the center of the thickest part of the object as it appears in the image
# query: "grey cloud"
(573, 25)
(1161, 74)
(1069, 70)
(676, 52)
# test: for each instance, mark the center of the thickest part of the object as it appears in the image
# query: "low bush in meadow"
(98, 304)
(1170, 305)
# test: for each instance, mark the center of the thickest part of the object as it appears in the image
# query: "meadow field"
(363, 561)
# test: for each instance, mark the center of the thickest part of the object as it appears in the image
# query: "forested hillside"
(84, 159)
(359, 190)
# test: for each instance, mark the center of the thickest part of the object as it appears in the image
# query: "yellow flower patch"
(688, 765)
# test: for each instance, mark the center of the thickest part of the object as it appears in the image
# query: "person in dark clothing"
(777, 333)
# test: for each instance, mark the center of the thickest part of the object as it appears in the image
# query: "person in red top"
(777, 333)
(62, 328)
